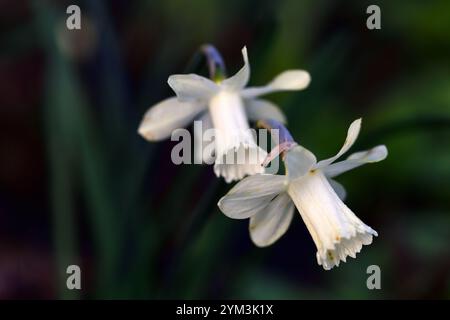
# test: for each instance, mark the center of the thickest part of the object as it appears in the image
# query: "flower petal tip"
(147, 135)
(292, 80)
(356, 124)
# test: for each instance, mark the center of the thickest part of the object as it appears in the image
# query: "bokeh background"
(79, 186)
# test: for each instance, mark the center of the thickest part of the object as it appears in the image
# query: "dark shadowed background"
(79, 186)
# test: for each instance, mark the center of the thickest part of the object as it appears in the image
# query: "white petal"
(240, 79)
(338, 188)
(192, 87)
(335, 229)
(285, 81)
(352, 134)
(200, 153)
(251, 194)
(355, 160)
(298, 162)
(263, 110)
(269, 224)
(170, 114)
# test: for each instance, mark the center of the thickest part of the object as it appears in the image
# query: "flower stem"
(283, 132)
(278, 132)
(216, 66)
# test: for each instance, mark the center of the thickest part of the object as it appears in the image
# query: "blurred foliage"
(98, 195)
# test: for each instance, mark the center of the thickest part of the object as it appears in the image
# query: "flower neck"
(216, 65)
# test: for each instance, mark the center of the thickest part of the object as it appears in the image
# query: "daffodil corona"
(227, 106)
(269, 200)
(237, 152)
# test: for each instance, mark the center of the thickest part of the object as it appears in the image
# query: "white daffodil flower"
(226, 106)
(268, 200)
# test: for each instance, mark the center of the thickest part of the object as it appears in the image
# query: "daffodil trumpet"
(308, 185)
(226, 105)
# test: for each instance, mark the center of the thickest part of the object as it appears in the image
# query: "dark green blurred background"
(79, 186)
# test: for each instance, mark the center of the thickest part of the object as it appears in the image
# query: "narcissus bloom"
(225, 105)
(269, 200)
